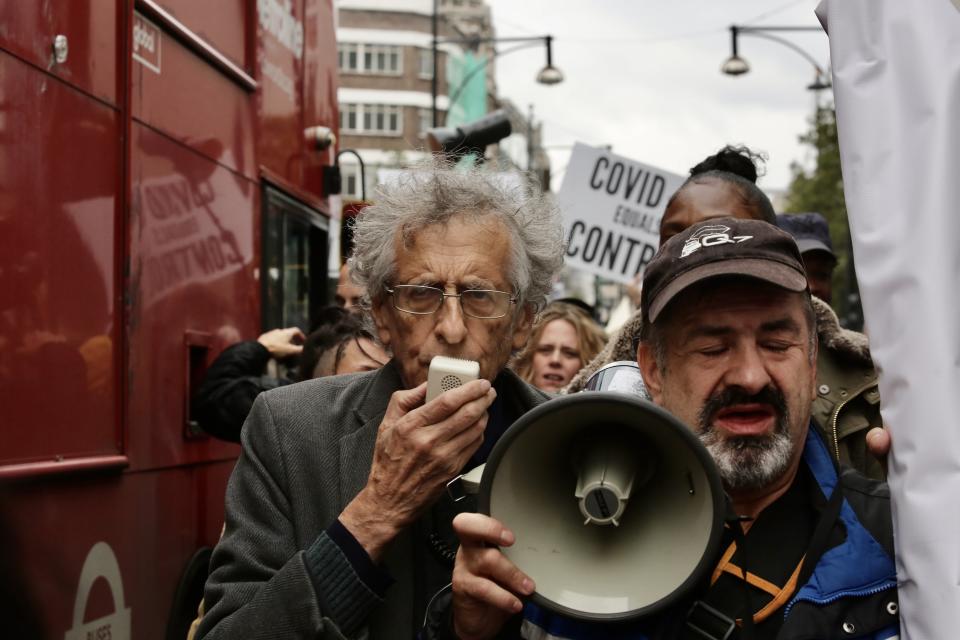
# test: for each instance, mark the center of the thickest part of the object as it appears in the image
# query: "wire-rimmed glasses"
(420, 299)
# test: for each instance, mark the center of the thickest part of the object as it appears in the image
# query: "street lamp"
(735, 65)
(549, 75)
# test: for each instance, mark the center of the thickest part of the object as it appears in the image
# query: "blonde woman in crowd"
(564, 338)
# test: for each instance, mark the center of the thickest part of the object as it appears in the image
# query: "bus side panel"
(279, 101)
(58, 202)
(192, 272)
(89, 30)
(151, 522)
(193, 285)
(185, 97)
(225, 27)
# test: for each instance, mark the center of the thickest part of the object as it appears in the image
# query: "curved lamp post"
(735, 65)
(548, 75)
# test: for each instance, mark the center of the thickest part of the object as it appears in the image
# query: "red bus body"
(153, 155)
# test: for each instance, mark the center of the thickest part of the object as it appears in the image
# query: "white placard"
(896, 78)
(611, 212)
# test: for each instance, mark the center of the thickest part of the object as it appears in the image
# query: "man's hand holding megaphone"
(588, 514)
(487, 587)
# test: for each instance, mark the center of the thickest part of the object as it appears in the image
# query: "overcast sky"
(644, 76)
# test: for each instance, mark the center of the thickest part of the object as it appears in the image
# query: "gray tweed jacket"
(307, 450)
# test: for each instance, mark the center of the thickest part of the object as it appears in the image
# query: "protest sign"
(611, 212)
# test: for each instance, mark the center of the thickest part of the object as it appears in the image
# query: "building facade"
(386, 68)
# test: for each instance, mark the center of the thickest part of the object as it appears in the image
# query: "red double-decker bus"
(162, 178)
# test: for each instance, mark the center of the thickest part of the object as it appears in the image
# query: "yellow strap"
(724, 561)
(780, 594)
(753, 579)
(781, 598)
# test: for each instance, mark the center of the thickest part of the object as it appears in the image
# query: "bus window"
(295, 240)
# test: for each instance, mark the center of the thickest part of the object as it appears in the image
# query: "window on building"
(425, 63)
(371, 119)
(347, 56)
(388, 60)
(352, 187)
(348, 116)
(424, 121)
(351, 181)
(377, 59)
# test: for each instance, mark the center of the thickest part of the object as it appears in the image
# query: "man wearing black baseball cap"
(847, 405)
(729, 347)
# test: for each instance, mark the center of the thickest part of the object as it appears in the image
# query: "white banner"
(896, 75)
(611, 212)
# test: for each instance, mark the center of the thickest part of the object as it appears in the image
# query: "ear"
(652, 375)
(379, 311)
(522, 326)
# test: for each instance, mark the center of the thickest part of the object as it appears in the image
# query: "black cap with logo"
(721, 247)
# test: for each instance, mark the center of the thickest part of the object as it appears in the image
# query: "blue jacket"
(851, 594)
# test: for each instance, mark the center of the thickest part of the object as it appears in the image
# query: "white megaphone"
(617, 507)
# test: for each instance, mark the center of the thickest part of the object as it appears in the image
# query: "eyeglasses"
(477, 303)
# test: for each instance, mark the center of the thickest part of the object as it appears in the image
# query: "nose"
(451, 327)
(554, 358)
(748, 370)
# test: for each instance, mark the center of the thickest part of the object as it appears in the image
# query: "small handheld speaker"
(449, 373)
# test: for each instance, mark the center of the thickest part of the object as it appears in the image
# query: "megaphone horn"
(616, 506)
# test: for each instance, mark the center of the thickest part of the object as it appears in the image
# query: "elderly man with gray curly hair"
(337, 522)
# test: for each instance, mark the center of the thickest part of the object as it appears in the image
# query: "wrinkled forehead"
(466, 248)
(732, 301)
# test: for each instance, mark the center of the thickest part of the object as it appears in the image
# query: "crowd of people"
(338, 519)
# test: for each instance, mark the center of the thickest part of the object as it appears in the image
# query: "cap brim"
(809, 244)
(776, 273)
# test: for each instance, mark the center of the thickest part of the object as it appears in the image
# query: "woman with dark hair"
(738, 160)
(730, 175)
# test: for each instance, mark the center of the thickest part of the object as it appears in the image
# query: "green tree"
(820, 189)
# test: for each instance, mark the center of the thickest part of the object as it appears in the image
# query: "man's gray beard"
(750, 462)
